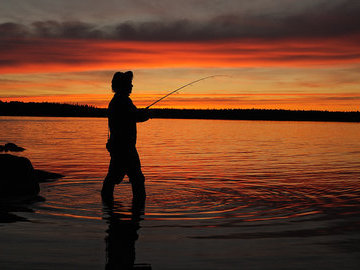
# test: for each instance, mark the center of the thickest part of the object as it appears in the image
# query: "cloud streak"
(55, 55)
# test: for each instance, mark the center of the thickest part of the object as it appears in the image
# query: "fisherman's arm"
(142, 115)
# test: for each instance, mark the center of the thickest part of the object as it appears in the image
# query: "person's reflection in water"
(122, 234)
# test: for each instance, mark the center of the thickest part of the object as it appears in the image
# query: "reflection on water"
(10, 207)
(8, 212)
(201, 169)
(251, 179)
(122, 234)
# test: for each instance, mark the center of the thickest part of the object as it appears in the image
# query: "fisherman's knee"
(136, 176)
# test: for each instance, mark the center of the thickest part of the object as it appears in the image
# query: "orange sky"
(42, 72)
(299, 57)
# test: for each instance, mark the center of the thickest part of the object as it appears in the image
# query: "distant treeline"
(15, 108)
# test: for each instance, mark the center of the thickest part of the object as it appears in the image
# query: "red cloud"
(58, 55)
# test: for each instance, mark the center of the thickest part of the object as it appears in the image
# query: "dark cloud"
(51, 29)
(320, 21)
(66, 30)
(13, 30)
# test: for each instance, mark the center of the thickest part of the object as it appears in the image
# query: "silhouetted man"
(122, 118)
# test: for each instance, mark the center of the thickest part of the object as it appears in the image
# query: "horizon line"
(166, 108)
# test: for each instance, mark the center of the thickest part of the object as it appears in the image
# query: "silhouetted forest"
(16, 108)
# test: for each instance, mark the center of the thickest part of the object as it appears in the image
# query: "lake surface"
(221, 195)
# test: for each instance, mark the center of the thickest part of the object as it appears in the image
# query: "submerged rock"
(17, 177)
(44, 176)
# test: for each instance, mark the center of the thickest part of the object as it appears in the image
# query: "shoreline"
(45, 109)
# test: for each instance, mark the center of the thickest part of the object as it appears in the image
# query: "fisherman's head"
(122, 82)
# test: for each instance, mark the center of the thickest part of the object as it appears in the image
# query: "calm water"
(221, 194)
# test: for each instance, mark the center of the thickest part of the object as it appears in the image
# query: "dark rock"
(12, 147)
(17, 177)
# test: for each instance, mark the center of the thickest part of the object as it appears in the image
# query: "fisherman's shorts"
(125, 162)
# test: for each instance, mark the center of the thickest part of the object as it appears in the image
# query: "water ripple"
(243, 201)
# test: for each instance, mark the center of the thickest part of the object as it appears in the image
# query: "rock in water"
(12, 147)
(17, 177)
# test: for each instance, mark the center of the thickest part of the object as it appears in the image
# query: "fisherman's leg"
(136, 176)
(115, 175)
(137, 180)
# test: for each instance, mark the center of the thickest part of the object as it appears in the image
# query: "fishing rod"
(182, 88)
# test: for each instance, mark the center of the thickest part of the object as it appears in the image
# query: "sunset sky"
(281, 54)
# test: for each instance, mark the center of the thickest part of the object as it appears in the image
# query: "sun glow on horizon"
(340, 102)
